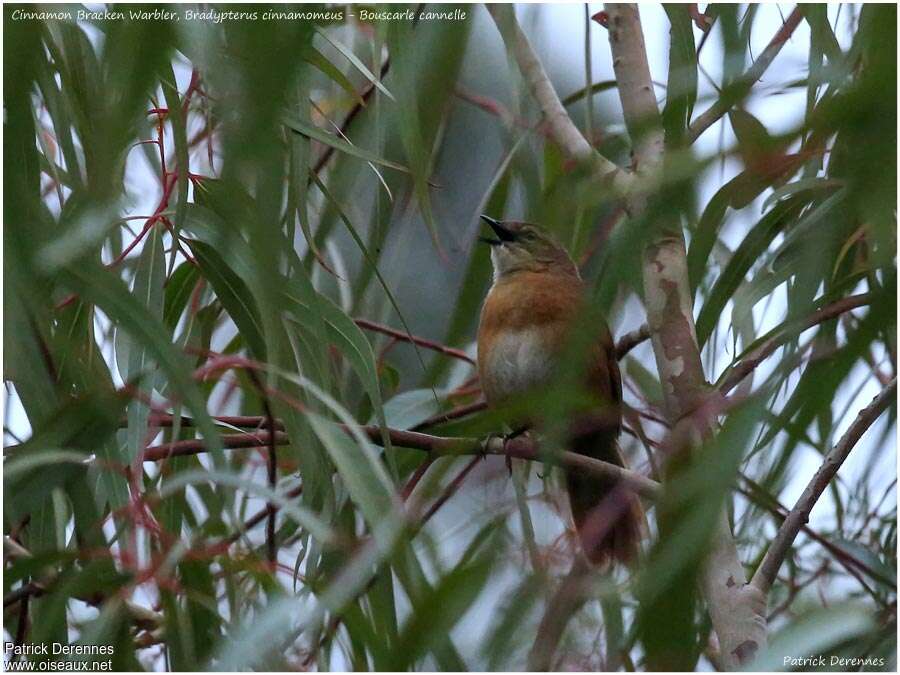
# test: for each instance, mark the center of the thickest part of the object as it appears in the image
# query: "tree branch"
(723, 104)
(422, 342)
(759, 496)
(631, 340)
(746, 365)
(559, 125)
(799, 515)
(519, 447)
(736, 610)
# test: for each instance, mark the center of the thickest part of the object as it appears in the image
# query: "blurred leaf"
(108, 292)
(887, 574)
(234, 295)
(754, 140)
(254, 641)
(140, 372)
(359, 65)
(406, 410)
(812, 636)
(315, 57)
(681, 92)
(437, 611)
(311, 131)
(751, 248)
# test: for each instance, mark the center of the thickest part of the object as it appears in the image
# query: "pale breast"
(518, 361)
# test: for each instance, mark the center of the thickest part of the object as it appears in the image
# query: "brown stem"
(519, 447)
(271, 468)
(450, 490)
(414, 480)
(196, 446)
(631, 340)
(450, 415)
(422, 342)
(260, 516)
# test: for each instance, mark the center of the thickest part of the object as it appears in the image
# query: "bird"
(534, 302)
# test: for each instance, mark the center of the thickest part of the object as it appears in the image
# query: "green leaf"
(107, 291)
(300, 514)
(315, 57)
(315, 133)
(681, 92)
(754, 139)
(406, 410)
(359, 65)
(312, 309)
(750, 250)
(179, 287)
(362, 247)
(234, 295)
(178, 123)
(149, 278)
(371, 487)
(812, 635)
(884, 573)
(437, 611)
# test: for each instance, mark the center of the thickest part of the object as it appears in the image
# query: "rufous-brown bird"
(527, 318)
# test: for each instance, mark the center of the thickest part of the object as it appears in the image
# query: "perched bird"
(534, 302)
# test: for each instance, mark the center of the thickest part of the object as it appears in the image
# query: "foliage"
(240, 258)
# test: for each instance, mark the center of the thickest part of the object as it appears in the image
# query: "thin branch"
(799, 515)
(519, 447)
(421, 342)
(758, 495)
(746, 365)
(450, 490)
(450, 415)
(631, 340)
(260, 516)
(271, 467)
(196, 446)
(245, 421)
(414, 480)
(723, 104)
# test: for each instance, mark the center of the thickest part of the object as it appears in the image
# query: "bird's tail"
(608, 515)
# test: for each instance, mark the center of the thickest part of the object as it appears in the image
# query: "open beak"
(503, 233)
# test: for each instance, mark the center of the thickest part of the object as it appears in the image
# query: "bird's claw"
(486, 444)
(506, 439)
